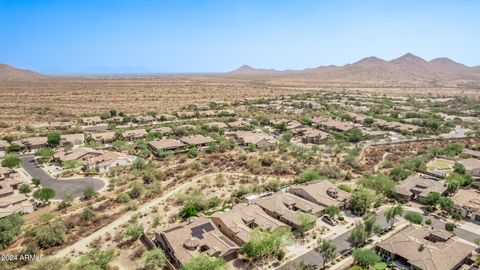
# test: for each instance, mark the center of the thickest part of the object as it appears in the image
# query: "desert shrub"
(413, 217)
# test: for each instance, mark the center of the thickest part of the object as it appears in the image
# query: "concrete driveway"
(75, 186)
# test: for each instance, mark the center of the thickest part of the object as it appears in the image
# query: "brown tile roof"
(32, 141)
(104, 135)
(468, 198)
(77, 153)
(288, 206)
(470, 163)
(238, 123)
(74, 139)
(335, 124)
(207, 113)
(164, 130)
(135, 133)
(216, 125)
(472, 153)
(249, 137)
(322, 192)
(196, 140)
(12, 200)
(186, 114)
(242, 218)
(415, 244)
(314, 133)
(93, 119)
(166, 144)
(107, 158)
(144, 118)
(3, 144)
(419, 185)
(188, 238)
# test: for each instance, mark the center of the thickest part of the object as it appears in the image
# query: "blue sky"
(87, 36)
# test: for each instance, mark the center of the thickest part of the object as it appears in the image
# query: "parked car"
(329, 220)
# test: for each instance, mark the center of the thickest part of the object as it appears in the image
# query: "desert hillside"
(10, 73)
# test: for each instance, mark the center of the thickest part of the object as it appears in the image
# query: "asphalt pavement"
(341, 242)
(75, 186)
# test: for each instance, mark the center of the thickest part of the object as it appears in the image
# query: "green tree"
(96, 259)
(203, 261)
(353, 135)
(361, 201)
(264, 243)
(50, 234)
(453, 186)
(134, 230)
(358, 236)
(89, 193)
(192, 152)
(53, 139)
(10, 227)
(433, 198)
(365, 257)
(399, 174)
(305, 120)
(14, 148)
(123, 197)
(44, 194)
(308, 175)
(452, 149)
(446, 204)
(380, 183)
(66, 201)
(11, 161)
(136, 189)
(327, 249)
(188, 211)
(306, 222)
(370, 224)
(459, 168)
(36, 182)
(87, 214)
(450, 227)
(24, 188)
(368, 121)
(392, 212)
(154, 259)
(332, 211)
(45, 153)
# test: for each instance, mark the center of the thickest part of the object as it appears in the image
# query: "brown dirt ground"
(65, 98)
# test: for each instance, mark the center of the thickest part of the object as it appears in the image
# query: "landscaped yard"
(440, 164)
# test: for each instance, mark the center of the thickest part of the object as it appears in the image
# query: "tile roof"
(427, 249)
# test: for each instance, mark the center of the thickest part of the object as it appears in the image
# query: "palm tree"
(391, 213)
(327, 250)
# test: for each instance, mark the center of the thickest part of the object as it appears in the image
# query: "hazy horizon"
(118, 37)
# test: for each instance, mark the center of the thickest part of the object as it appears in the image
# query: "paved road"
(461, 233)
(341, 242)
(62, 187)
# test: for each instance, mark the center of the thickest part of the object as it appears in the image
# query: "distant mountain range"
(408, 69)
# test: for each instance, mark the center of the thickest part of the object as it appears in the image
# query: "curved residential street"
(75, 186)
